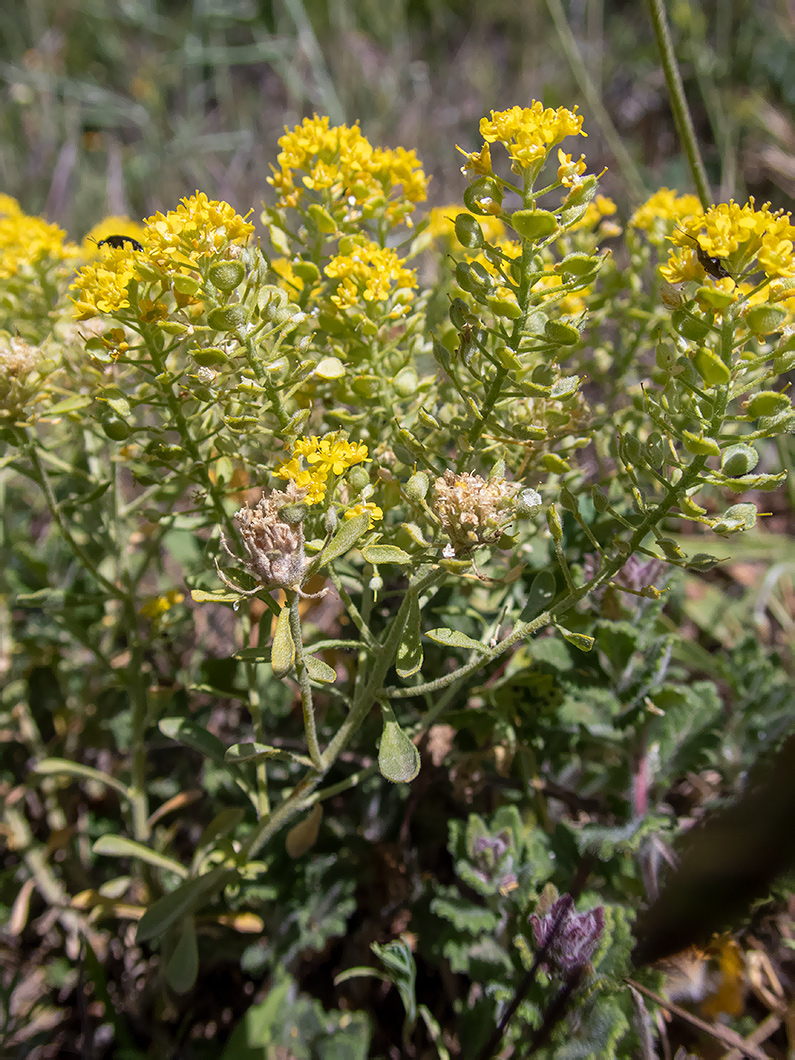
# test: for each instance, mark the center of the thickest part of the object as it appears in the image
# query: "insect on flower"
(119, 241)
(713, 266)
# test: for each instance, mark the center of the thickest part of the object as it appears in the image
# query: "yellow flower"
(330, 455)
(198, 229)
(733, 239)
(479, 162)
(355, 178)
(658, 215)
(376, 513)
(528, 133)
(102, 287)
(370, 273)
(569, 171)
(26, 241)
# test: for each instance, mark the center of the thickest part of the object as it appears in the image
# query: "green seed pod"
(185, 285)
(738, 460)
(784, 362)
(568, 501)
(710, 367)
(468, 232)
(533, 225)
(460, 314)
(227, 275)
(358, 477)
(665, 357)
(322, 219)
(553, 522)
(554, 463)
(473, 278)
(543, 375)
(116, 429)
(738, 517)
(630, 450)
(398, 758)
(715, 297)
(765, 319)
(306, 271)
(600, 500)
(417, 487)
(688, 326)
(560, 333)
(227, 318)
(699, 445)
(655, 449)
(208, 356)
(579, 265)
(504, 307)
(483, 197)
(767, 403)
(406, 382)
(528, 502)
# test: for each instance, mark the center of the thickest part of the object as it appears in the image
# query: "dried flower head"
(20, 365)
(275, 548)
(472, 510)
(570, 937)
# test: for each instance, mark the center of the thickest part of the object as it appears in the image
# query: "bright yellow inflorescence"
(741, 237)
(528, 133)
(26, 241)
(341, 165)
(370, 273)
(330, 455)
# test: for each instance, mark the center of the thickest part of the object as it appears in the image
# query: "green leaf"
(320, 671)
(346, 537)
(183, 730)
(542, 593)
(453, 638)
(117, 400)
(50, 766)
(217, 596)
(183, 964)
(283, 648)
(121, 847)
(409, 653)
(187, 898)
(376, 554)
(398, 758)
(70, 404)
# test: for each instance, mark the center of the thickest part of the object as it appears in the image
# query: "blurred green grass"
(124, 107)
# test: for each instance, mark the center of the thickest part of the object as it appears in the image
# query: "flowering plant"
(404, 464)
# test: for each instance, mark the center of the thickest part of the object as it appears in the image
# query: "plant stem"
(681, 111)
(304, 683)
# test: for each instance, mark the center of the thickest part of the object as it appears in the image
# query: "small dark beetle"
(119, 241)
(714, 266)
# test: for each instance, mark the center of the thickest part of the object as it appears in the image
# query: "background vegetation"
(121, 110)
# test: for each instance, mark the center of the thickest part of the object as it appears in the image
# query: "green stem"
(681, 111)
(304, 684)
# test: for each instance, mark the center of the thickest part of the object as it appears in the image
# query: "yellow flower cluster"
(102, 287)
(330, 455)
(184, 238)
(341, 164)
(665, 207)
(740, 237)
(371, 273)
(528, 133)
(26, 240)
(199, 228)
